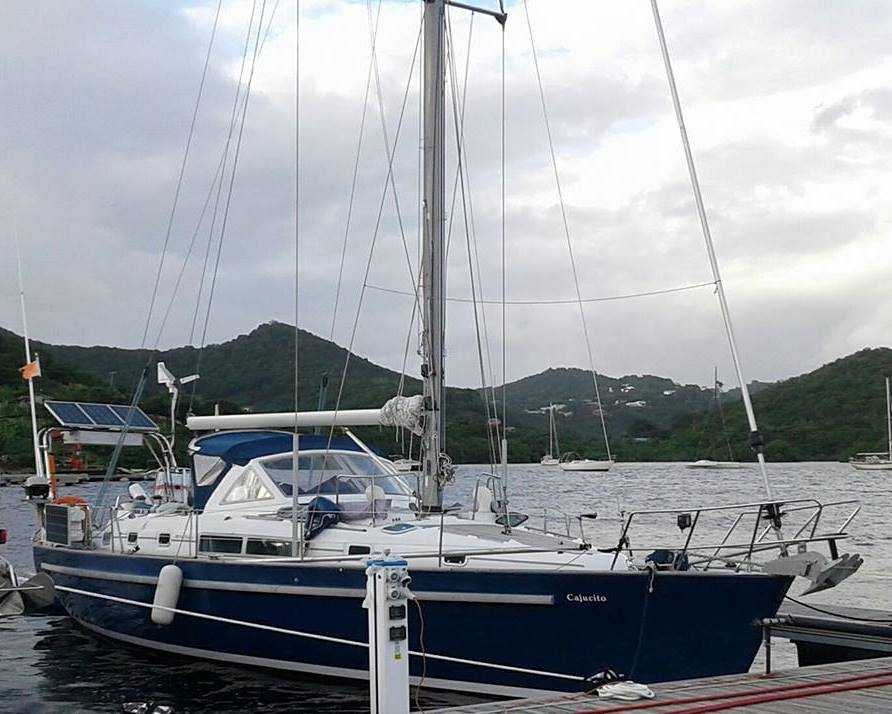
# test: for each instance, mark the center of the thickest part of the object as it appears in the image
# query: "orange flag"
(31, 370)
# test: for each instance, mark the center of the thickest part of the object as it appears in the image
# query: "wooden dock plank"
(674, 697)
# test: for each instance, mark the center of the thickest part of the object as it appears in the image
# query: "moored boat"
(877, 460)
(254, 552)
(553, 446)
(571, 461)
(710, 464)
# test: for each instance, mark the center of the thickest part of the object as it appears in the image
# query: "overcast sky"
(788, 106)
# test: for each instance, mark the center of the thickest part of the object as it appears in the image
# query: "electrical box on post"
(387, 594)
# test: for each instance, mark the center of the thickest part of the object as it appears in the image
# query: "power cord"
(837, 614)
(423, 655)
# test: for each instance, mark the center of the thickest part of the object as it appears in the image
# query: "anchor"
(824, 573)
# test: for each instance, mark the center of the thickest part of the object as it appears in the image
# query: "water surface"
(48, 664)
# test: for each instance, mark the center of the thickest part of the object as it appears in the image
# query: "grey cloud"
(735, 49)
(102, 95)
(827, 116)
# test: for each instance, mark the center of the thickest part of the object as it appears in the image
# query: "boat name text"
(586, 597)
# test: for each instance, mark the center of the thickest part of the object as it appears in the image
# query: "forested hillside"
(826, 414)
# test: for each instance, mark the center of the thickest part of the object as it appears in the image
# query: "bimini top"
(239, 447)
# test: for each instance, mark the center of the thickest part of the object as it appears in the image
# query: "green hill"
(61, 381)
(826, 414)
(255, 372)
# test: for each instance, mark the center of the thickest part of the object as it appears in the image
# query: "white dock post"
(387, 596)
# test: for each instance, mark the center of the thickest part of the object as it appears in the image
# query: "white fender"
(167, 594)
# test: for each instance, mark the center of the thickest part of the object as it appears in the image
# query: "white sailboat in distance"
(571, 461)
(713, 463)
(877, 460)
(553, 448)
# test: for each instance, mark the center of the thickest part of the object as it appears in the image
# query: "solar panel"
(109, 417)
(69, 414)
(56, 524)
(102, 415)
(138, 421)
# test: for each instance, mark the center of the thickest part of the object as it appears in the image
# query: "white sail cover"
(404, 412)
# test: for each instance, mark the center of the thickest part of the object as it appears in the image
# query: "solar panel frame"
(91, 415)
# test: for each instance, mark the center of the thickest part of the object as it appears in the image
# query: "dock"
(862, 686)
(75, 478)
(832, 633)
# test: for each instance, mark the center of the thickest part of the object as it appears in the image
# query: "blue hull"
(680, 625)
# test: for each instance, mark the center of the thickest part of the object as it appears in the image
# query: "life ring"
(69, 501)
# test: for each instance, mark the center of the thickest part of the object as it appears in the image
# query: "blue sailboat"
(254, 553)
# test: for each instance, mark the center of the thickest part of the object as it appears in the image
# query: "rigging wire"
(365, 105)
(557, 180)
(237, 114)
(232, 174)
(460, 118)
(391, 177)
(218, 177)
(139, 385)
(402, 383)
(295, 455)
(233, 118)
(458, 121)
(414, 277)
(559, 301)
(486, 341)
(504, 241)
(375, 235)
(473, 230)
(419, 227)
(179, 184)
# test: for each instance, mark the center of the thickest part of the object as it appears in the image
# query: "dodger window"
(331, 473)
(247, 487)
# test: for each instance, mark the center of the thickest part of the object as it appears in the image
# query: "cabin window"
(247, 487)
(454, 559)
(207, 469)
(257, 546)
(164, 539)
(132, 537)
(219, 544)
(358, 550)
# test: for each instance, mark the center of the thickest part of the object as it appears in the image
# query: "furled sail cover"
(405, 412)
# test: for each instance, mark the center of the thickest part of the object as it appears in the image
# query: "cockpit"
(255, 467)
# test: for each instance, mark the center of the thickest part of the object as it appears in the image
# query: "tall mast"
(756, 440)
(433, 255)
(889, 418)
(32, 400)
(551, 429)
